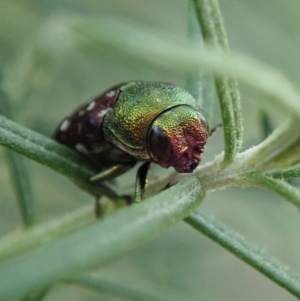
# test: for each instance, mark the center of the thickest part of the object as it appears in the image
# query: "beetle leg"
(141, 181)
(111, 172)
(98, 209)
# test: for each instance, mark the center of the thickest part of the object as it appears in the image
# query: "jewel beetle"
(137, 121)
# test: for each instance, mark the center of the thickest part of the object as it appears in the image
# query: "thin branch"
(247, 252)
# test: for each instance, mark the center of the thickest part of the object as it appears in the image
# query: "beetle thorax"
(138, 105)
(177, 138)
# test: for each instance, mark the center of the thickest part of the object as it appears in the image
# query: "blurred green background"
(47, 77)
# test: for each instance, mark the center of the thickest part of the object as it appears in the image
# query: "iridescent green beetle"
(137, 121)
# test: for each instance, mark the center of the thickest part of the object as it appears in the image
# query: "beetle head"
(177, 138)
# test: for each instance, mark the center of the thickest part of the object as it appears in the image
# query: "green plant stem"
(117, 289)
(247, 252)
(101, 242)
(18, 172)
(287, 191)
(53, 155)
(212, 26)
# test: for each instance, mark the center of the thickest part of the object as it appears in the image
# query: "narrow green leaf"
(200, 84)
(247, 252)
(193, 84)
(279, 150)
(97, 244)
(220, 33)
(212, 26)
(18, 171)
(37, 295)
(22, 187)
(265, 124)
(162, 52)
(123, 290)
(237, 112)
(286, 174)
(49, 153)
(228, 121)
(23, 240)
(287, 191)
(211, 23)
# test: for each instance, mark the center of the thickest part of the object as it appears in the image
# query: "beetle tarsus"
(128, 199)
(112, 172)
(98, 209)
(141, 181)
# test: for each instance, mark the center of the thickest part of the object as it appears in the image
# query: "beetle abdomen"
(83, 132)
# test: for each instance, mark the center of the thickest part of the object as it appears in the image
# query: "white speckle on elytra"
(80, 148)
(64, 126)
(111, 93)
(81, 112)
(103, 112)
(91, 106)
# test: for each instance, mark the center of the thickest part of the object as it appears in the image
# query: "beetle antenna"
(214, 129)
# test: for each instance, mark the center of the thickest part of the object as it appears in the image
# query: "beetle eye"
(159, 145)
